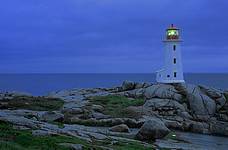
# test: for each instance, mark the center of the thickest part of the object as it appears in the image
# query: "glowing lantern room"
(172, 33)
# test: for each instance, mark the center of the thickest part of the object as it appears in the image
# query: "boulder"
(200, 104)
(223, 117)
(139, 93)
(139, 85)
(163, 91)
(19, 120)
(73, 111)
(128, 85)
(171, 124)
(199, 127)
(152, 129)
(136, 93)
(215, 94)
(97, 136)
(163, 105)
(132, 123)
(102, 93)
(75, 104)
(67, 95)
(52, 116)
(120, 128)
(219, 128)
(134, 111)
(211, 92)
(185, 115)
(112, 121)
(142, 85)
(98, 115)
(220, 102)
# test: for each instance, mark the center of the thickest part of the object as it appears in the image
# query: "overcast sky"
(110, 36)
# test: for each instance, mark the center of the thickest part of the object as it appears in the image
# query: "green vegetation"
(12, 139)
(32, 103)
(116, 106)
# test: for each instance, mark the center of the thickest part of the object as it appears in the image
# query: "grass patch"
(12, 139)
(32, 103)
(116, 105)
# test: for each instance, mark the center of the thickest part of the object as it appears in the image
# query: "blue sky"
(110, 36)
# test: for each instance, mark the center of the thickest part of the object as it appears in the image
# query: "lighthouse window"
(174, 60)
(174, 47)
(175, 74)
(168, 76)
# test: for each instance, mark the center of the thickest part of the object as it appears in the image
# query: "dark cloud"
(110, 35)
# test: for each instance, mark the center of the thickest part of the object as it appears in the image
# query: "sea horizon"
(44, 83)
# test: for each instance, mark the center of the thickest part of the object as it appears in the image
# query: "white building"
(172, 71)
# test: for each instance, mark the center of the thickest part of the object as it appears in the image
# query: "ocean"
(42, 84)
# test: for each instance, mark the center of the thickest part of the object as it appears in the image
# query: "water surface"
(40, 84)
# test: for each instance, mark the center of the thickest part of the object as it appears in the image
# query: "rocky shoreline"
(138, 113)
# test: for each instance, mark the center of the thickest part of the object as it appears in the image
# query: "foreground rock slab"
(152, 129)
(120, 128)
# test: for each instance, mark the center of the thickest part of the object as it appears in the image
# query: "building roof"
(172, 27)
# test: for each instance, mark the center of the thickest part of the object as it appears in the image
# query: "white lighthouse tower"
(172, 71)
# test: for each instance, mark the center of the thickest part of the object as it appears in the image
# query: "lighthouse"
(172, 71)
